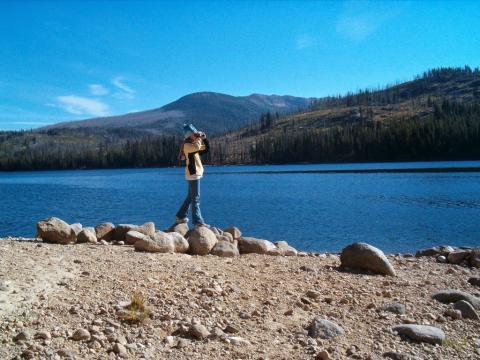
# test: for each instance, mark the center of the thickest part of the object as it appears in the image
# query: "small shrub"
(457, 345)
(137, 311)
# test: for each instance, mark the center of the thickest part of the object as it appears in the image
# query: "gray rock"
(179, 242)
(475, 281)
(77, 227)
(22, 336)
(199, 331)
(4, 285)
(65, 353)
(120, 350)
(201, 240)
(121, 230)
(225, 237)
(400, 356)
(457, 256)
(467, 310)
(234, 231)
(435, 251)
(55, 230)
(421, 333)
(81, 335)
(132, 236)
(225, 249)
(366, 257)
(218, 333)
(475, 258)
(87, 235)
(239, 341)
(105, 231)
(160, 242)
(451, 296)
(284, 249)
(441, 259)
(396, 308)
(324, 329)
(183, 343)
(182, 229)
(249, 245)
(44, 335)
(454, 314)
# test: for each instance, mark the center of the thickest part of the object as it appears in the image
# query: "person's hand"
(202, 134)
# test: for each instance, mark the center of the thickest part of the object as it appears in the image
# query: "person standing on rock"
(195, 143)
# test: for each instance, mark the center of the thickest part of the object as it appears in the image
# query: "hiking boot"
(202, 225)
(180, 220)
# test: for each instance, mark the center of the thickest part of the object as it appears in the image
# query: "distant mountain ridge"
(435, 116)
(213, 112)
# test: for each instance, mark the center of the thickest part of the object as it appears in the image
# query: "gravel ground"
(248, 307)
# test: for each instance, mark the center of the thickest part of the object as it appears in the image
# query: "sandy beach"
(247, 307)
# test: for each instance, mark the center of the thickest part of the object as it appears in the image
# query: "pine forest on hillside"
(436, 116)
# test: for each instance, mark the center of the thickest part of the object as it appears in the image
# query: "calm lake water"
(398, 212)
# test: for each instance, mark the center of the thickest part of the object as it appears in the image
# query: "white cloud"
(119, 83)
(83, 106)
(357, 27)
(98, 90)
(360, 19)
(304, 41)
(123, 95)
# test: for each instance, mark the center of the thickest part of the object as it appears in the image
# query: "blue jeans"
(193, 198)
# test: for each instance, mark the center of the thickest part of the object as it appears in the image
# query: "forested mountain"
(213, 112)
(433, 117)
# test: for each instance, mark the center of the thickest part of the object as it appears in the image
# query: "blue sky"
(71, 60)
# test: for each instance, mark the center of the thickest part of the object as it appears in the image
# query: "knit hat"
(189, 130)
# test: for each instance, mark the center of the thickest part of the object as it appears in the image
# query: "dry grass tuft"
(137, 311)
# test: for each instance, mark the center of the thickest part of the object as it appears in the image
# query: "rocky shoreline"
(188, 294)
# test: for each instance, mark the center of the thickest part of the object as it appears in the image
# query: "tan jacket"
(192, 151)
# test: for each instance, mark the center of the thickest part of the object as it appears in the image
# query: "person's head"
(189, 132)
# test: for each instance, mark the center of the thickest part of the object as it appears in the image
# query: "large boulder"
(452, 296)
(225, 237)
(132, 236)
(87, 235)
(234, 231)
(182, 229)
(121, 230)
(283, 249)
(225, 249)
(475, 258)
(366, 257)
(250, 245)
(457, 256)
(420, 333)
(467, 310)
(55, 230)
(180, 243)
(201, 240)
(159, 242)
(435, 251)
(324, 329)
(77, 227)
(105, 231)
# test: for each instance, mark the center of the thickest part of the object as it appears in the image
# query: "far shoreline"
(391, 170)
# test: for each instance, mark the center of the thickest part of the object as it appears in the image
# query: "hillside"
(435, 116)
(213, 112)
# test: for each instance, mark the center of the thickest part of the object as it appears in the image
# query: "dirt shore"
(251, 306)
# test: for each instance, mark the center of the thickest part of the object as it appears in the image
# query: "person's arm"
(193, 147)
(205, 146)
